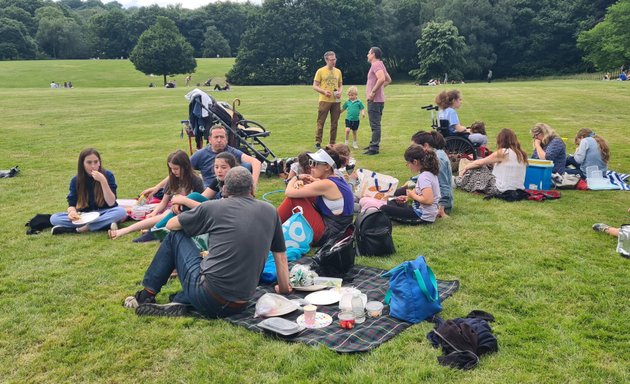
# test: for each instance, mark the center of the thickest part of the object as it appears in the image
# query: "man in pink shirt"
(377, 80)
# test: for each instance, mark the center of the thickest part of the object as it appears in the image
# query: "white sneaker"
(355, 145)
(346, 142)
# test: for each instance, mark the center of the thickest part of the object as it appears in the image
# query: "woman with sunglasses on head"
(549, 146)
(326, 199)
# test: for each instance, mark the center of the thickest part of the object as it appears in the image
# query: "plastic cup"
(346, 320)
(374, 308)
(309, 315)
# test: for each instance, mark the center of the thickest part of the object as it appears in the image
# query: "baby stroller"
(457, 146)
(204, 112)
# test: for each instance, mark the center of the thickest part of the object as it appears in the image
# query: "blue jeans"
(577, 171)
(179, 252)
(107, 217)
(375, 113)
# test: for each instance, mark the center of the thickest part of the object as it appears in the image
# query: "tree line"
(282, 41)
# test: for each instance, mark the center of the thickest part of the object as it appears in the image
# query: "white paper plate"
(310, 288)
(86, 217)
(328, 297)
(321, 320)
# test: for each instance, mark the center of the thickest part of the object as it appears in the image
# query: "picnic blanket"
(618, 179)
(363, 337)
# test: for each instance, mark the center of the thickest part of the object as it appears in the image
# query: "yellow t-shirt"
(329, 80)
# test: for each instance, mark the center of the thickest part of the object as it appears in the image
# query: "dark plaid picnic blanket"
(363, 337)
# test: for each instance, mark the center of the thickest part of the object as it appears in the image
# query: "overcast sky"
(190, 4)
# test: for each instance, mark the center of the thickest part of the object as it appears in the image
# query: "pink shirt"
(377, 65)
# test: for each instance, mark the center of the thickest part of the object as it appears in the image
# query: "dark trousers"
(375, 113)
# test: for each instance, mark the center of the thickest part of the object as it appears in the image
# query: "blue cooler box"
(538, 175)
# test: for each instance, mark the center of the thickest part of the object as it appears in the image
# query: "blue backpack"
(413, 293)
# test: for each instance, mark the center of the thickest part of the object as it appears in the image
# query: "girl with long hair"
(93, 189)
(435, 141)
(424, 196)
(592, 151)
(448, 102)
(181, 180)
(325, 197)
(509, 160)
(549, 146)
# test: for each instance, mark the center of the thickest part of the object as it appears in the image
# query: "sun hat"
(322, 156)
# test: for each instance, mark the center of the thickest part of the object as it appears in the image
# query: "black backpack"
(373, 233)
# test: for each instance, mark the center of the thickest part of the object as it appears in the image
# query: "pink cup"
(309, 315)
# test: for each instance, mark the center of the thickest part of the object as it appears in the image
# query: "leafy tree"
(231, 20)
(29, 6)
(607, 45)
(15, 43)
(440, 50)
(59, 36)
(287, 40)
(215, 44)
(22, 16)
(400, 30)
(193, 25)
(111, 33)
(162, 50)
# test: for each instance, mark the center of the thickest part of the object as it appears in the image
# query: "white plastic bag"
(271, 304)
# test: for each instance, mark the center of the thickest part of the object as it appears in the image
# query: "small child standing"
(354, 106)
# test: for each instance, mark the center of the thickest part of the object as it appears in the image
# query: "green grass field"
(558, 289)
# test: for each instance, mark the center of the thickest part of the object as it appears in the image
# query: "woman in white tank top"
(510, 162)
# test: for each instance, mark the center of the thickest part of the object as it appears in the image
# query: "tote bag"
(376, 185)
(413, 293)
(298, 236)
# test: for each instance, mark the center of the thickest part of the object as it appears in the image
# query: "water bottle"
(357, 308)
(337, 95)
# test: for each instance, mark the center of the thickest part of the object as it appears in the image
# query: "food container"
(374, 308)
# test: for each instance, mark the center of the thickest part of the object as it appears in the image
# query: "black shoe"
(366, 148)
(141, 297)
(171, 310)
(370, 152)
(58, 230)
(318, 145)
(145, 238)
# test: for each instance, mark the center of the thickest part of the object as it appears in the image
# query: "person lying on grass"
(221, 284)
(181, 180)
(605, 228)
(92, 189)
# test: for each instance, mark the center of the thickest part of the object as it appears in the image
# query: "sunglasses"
(313, 163)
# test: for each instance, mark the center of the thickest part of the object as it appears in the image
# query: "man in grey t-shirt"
(242, 230)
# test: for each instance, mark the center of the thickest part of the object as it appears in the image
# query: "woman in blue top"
(93, 189)
(592, 151)
(326, 199)
(549, 146)
(448, 102)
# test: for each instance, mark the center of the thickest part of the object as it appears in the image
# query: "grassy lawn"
(558, 290)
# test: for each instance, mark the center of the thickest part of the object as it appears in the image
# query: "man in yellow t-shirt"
(328, 83)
